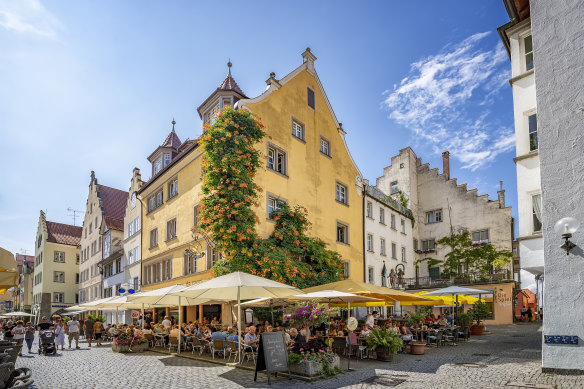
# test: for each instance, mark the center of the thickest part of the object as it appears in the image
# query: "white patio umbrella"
(455, 291)
(17, 314)
(238, 286)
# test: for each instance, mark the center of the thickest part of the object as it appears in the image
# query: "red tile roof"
(63, 233)
(230, 84)
(113, 202)
(20, 258)
(171, 140)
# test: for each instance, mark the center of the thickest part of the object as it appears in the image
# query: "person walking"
(60, 334)
(88, 326)
(529, 314)
(29, 336)
(98, 330)
(18, 333)
(74, 331)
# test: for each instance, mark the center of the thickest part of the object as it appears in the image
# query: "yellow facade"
(310, 180)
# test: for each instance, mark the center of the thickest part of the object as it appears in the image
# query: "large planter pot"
(334, 361)
(417, 349)
(307, 368)
(477, 330)
(125, 348)
(382, 353)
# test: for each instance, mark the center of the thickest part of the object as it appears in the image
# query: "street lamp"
(566, 227)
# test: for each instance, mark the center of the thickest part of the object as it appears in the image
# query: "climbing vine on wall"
(227, 212)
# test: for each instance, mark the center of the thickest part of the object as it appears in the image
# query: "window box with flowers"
(425, 251)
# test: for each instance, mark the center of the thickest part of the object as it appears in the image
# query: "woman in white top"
(18, 333)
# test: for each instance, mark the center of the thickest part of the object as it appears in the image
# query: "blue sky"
(89, 85)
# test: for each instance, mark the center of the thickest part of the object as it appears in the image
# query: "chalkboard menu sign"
(272, 354)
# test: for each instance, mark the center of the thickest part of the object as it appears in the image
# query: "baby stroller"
(47, 341)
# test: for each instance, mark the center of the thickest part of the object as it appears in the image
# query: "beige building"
(132, 235)
(101, 243)
(441, 207)
(23, 293)
(56, 271)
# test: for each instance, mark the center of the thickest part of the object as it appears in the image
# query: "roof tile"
(63, 233)
(114, 203)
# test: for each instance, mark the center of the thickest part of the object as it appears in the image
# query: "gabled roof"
(172, 140)
(63, 233)
(113, 203)
(229, 84)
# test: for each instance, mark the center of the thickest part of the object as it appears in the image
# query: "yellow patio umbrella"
(8, 273)
(442, 300)
(369, 290)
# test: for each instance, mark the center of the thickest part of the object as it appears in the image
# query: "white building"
(442, 207)
(388, 239)
(518, 40)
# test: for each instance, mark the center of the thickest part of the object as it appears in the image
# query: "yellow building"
(307, 163)
(56, 270)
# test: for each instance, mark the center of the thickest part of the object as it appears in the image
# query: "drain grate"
(384, 381)
(531, 385)
(480, 365)
(481, 355)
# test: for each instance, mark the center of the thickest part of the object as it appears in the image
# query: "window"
(90, 227)
(382, 246)
(107, 244)
(277, 159)
(213, 256)
(415, 244)
(133, 227)
(189, 264)
(173, 188)
(369, 209)
(108, 270)
(171, 229)
(77, 259)
(528, 46)
(117, 289)
(342, 233)
(325, 146)
(167, 158)
(77, 278)
(532, 123)
(154, 238)
(157, 166)
(297, 130)
(403, 254)
(274, 205)
(118, 265)
(369, 242)
(346, 269)
(341, 193)
(76, 298)
(159, 271)
(310, 97)
(132, 255)
(381, 215)
(196, 215)
(393, 221)
(428, 245)
(393, 186)
(155, 200)
(59, 276)
(108, 292)
(434, 216)
(403, 226)
(58, 297)
(480, 236)
(402, 165)
(370, 277)
(59, 256)
(536, 207)
(394, 251)
(136, 283)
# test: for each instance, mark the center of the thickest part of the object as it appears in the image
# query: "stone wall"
(558, 62)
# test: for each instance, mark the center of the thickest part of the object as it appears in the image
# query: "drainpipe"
(139, 198)
(364, 237)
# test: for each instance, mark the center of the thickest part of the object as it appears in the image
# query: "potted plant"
(479, 312)
(464, 319)
(417, 347)
(126, 343)
(384, 343)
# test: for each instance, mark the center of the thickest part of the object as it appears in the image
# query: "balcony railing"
(466, 279)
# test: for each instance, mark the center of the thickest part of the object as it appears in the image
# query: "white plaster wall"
(528, 184)
(532, 255)
(378, 230)
(558, 53)
(91, 213)
(131, 242)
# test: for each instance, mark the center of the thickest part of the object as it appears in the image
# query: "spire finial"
(229, 64)
(173, 123)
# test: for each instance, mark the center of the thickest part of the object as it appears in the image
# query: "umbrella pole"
(116, 316)
(239, 346)
(179, 323)
(142, 316)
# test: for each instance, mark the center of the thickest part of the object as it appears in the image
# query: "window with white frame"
(274, 205)
(277, 160)
(136, 283)
(297, 130)
(171, 229)
(481, 236)
(118, 265)
(341, 193)
(189, 264)
(381, 215)
(213, 256)
(370, 242)
(369, 209)
(155, 201)
(428, 244)
(434, 216)
(536, 212)
(58, 276)
(346, 269)
(167, 158)
(196, 215)
(403, 254)
(60, 256)
(58, 297)
(532, 124)
(528, 47)
(403, 226)
(154, 238)
(107, 244)
(394, 187)
(157, 165)
(173, 188)
(342, 233)
(371, 274)
(382, 246)
(325, 146)
(392, 225)
(394, 251)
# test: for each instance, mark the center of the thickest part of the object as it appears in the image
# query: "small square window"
(434, 216)
(402, 165)
(310, 97)
(342, 233)
(277, 160)
(394, 188)
(479, 237)
(274, 205)
(297, 130)
(325, 146)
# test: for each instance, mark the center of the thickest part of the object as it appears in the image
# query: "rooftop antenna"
(24, 251)
(75, 212)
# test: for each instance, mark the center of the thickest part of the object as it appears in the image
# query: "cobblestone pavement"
(507, 354)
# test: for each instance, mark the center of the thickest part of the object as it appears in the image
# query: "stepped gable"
(113, 205)
(63, 233)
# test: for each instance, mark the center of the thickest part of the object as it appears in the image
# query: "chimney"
(501, 195)
(446, 164)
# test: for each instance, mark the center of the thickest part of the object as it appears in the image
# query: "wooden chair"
(218, 347)
(464, 333)
(150, 339)
(232, 349)
(172, 343)
(197, 344)
(437, 339)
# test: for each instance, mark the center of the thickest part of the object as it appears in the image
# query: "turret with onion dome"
(226, 95)
(164, 153)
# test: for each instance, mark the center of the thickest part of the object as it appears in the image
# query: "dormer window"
(167, 158)
(157, 166)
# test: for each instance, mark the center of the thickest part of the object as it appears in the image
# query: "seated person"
(296, 337)
(147, 330)
(174, 331)
(365, 331)
(251, 339)
(203, 336)
(233, 337)
(219, 335)
(442, 322)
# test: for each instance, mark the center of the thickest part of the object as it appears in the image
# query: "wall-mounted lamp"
(566, 227)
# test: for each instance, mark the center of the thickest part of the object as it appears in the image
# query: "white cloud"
(445, 98)
(28, 17)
